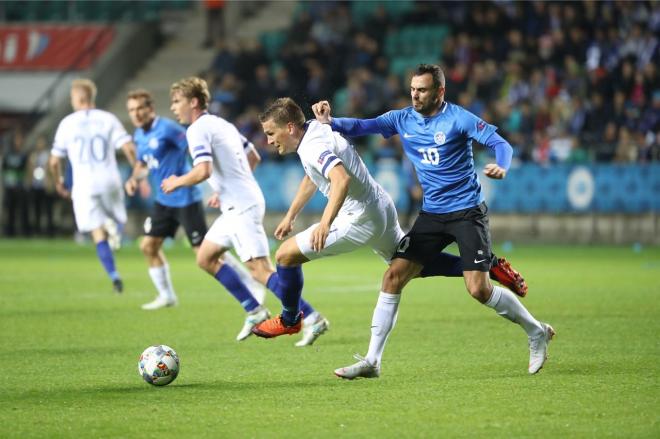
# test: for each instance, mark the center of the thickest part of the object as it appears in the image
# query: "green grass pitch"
(452, 368)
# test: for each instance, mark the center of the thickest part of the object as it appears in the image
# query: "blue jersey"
(163, 148)
(440, 149)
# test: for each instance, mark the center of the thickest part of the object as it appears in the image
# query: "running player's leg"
(215, 243)
(90, 217)
(473, 237)
(162, 223)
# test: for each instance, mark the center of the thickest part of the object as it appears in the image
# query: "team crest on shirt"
(481, 125)
(439, 138)
(153, 143)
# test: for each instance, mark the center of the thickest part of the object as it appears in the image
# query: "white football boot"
(313, 331)
(538, 348)
(159, 302)
(252, 320)
(362, 369)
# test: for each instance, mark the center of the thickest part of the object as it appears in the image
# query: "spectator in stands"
(14, 167)
(215, 22)
(41, 188)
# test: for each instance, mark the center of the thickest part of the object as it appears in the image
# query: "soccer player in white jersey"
(89, 138)
(216, 147)
(162, 151)
(358, 213)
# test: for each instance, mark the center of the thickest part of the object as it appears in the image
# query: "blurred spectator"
(215, 22)
(41, 188)
(14, 167)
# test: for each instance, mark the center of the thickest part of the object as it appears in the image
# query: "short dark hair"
(141, 93)
(283, 111)
(435, 71)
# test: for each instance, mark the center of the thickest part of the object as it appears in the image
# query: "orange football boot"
(507, 276)
(275, 327)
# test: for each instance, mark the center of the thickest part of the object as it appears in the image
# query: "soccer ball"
(158, 365)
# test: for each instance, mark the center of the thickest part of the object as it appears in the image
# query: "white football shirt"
(321, 149)
(89, 138)
(213, 139)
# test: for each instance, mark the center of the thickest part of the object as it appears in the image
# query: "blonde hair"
(193, 87)
(283, 111)
(141, 93)
(87, 86)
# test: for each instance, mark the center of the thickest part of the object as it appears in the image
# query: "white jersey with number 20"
(89, 139)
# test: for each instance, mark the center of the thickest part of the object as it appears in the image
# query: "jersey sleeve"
(474, 127)
(118, 136)
(199, 146)
(387, 123)
(59, 143)
(319, 157)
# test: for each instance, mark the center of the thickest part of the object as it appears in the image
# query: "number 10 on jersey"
(430, 156)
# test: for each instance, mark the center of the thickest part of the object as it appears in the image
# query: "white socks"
(382, 323)
(505, 303)
(257, 290)
(160, 276)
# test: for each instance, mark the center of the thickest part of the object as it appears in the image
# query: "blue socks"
(273, 285)
(107, 260)
(228, 277)
(287, 285)
(445, 264)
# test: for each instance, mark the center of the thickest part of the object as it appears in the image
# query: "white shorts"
(242, 231)
(93, 211)
(377, 227)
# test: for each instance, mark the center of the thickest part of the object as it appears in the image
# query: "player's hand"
(321, 111)
(494, 171)
(284, 228)
(214, 201)
(131, 186)
(61, 190)
(318, 237)
(169, 184)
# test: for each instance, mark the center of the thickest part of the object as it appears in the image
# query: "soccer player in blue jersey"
(162, 150)
(437, 137)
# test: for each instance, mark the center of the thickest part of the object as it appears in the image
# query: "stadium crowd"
(564, 81)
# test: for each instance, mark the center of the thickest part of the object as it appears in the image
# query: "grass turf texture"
(451, 368)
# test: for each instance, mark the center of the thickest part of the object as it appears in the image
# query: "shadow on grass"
(92, 393)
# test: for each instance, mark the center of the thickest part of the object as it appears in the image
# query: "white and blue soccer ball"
(159, 365)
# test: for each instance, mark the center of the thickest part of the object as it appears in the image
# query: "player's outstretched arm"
(199, 172)
(306, 190)
(339, 181)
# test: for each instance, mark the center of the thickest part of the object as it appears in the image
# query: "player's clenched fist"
(321, 111)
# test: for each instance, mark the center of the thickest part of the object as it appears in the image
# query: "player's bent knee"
(479, 291)
(205, 262)
(392, 281)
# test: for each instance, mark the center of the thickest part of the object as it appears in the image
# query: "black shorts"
(432, 232)
(164, 221)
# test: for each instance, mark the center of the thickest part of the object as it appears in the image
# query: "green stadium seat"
(272, 42)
